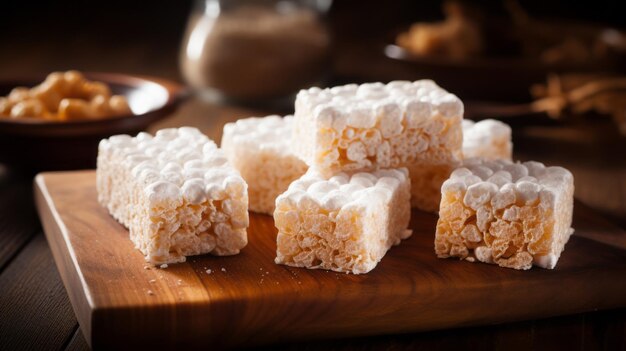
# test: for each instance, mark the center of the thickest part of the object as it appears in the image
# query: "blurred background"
(517, 61)
(145, 38)
(554, 70)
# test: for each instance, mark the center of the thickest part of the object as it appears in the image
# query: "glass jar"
(250, 50)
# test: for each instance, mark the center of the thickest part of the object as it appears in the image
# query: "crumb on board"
(150, 292)
(152, 281)
(164, 265)
(470, 259)
(208, 271)
(223, 269)
(146, 267)
(179, 282)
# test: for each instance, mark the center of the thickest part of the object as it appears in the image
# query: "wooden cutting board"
(248, 300)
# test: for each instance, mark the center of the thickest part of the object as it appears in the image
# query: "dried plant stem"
(558, 99)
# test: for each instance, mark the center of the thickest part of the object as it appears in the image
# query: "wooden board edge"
(92, 316)
(64, 257)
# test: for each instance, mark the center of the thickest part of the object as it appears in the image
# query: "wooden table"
(35, 311)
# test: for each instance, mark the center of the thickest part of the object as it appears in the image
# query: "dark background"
(74, 31)
(144, 38)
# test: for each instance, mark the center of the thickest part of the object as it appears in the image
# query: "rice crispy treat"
(175, 192)
(345, 223)
(514, 215)
(260, 149)
(365, 127)
(489, 139)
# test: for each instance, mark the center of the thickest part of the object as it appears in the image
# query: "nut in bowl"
(64, 97)
(57, 124)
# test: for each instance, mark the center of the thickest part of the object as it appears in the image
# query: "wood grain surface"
(148, 45)
(248, 300)
(18, 220)
(53, 310)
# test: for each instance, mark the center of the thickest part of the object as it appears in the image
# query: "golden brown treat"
(28, 108)
(64, 97)
(514, 215)
(5, 106)
(458, 36)
(345, 223)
